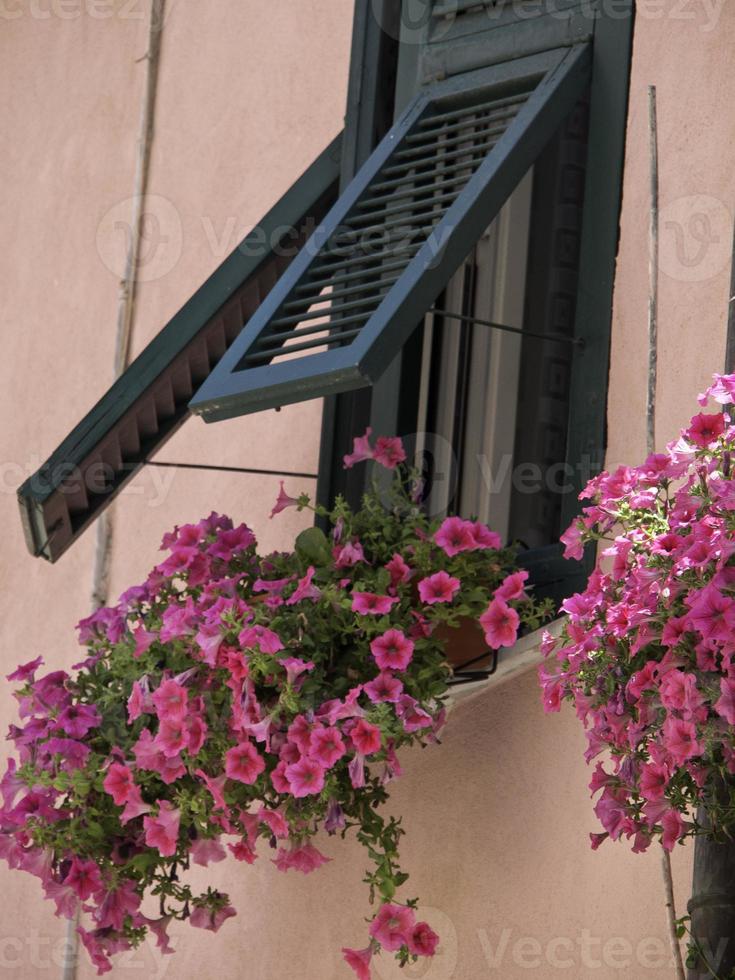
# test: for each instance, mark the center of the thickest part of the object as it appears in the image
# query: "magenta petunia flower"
(306, 777)
(135, 806)
(572, 541)
(512, 587)
(400, 573)
(705, 429)
(283, 501)
(365, 737)
(423, 940)
(170, 699)
(440, 587)
(500, 623)
(485, 538)
(326, 746)
(25, 672)
(304, 858)
(392, 650)
(725, 704)
(455, 535)
(77, 719)
(359, 961)
(206, 918)
(207, 850)
(392, 926)
(118, 783)
(367, 603)
(361, 450)
(162, 831)
(680, 739)
(389, 451)
(266, 640)
(244, 763)
(348, 555)
(304, 589)
(385, 687)
(84, 878)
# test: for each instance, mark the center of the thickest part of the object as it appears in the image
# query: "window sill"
(512, 662)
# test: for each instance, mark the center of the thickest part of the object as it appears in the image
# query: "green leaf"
(313, 546)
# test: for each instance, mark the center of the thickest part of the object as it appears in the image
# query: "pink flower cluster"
(647, 654)
(233, 697)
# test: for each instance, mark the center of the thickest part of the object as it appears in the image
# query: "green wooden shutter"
(404, 224)
(149, 401)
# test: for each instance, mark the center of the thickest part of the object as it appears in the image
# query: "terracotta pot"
(466, 645)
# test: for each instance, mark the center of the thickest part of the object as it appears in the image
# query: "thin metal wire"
(463, 676)
(230, 469)
(556, 338)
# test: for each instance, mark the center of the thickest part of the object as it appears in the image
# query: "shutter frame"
(559, 75)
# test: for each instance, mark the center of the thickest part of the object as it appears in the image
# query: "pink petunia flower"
(680, 739)
(423, 940)
(440, 587)
(135, 806)
(400, 573)
(170, 699)
(304, 858)
(304, 589)
(367, 603)
(385, 687)
(306, 777)
(392, 650)
(77, 719)
(84, 878)
(725, 704)
(572, 541)
(244, 763)
(118, 783)
(359, 961)
(455, 535)
(361, 450)
(365, 737)
(326, 746)
(207, 850)
(392, 926)
(266, 640)
(348, 555)
(205, 918)
(282, 502)
(705, 429)
(512, 587)
(485, 538)
(500, 623)
(162, 831)
(389, 451)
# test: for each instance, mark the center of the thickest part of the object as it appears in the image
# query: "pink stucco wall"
(498, 816)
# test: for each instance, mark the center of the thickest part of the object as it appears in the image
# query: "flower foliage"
(234, 699)
(647, 654)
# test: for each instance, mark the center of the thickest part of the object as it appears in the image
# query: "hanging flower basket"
(647, 655)
(234, 700)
